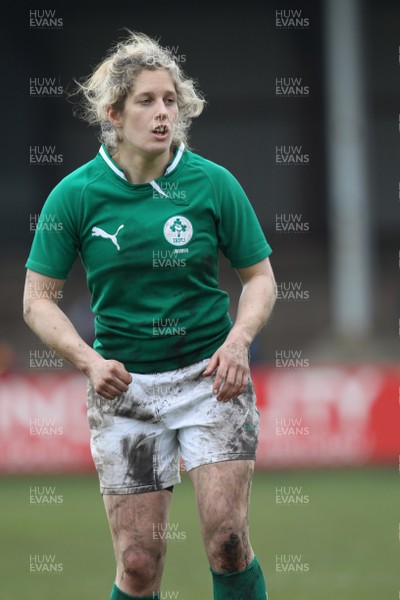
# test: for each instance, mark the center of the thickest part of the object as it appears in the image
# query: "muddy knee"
(230, 550)
(140, 566)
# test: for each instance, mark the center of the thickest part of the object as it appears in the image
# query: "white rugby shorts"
(164, 423)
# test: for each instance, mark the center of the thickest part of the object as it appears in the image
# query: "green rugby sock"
(117, 594)
(248, 583)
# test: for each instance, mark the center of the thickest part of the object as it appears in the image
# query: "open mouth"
(161, 129)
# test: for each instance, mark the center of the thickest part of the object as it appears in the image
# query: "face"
(147, 120)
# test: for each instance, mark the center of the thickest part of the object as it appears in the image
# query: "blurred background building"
(302, 108)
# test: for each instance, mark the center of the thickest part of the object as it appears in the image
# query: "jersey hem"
(161, 366)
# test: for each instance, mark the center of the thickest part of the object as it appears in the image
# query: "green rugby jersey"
(150, 252)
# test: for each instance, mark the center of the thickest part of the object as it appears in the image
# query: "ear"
(114, 116)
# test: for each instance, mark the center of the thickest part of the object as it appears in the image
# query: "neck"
(141, 167)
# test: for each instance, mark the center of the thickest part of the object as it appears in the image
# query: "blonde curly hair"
(114, 78)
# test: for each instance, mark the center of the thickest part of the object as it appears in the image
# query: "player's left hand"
(232, 363)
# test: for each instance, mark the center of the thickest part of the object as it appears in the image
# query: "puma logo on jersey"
(97, 231)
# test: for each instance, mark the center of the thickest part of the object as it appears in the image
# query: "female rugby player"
(168, 374)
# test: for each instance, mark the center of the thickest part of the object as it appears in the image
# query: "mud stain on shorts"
(239, 425)
(245, 441)
(131, 408)
(139, 452)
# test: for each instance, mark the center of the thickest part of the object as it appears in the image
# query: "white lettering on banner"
(28, 404)
(332, 403)
(322, 390)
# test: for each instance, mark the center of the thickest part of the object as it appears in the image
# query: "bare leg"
(223, 491)
(139, 553)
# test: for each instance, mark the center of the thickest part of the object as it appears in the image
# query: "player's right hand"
(109, 378)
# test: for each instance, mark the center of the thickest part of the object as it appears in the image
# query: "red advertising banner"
(328, 416)
(310, 417)
(43, 424)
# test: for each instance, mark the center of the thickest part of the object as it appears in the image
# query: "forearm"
(254, 309)
(55, 330)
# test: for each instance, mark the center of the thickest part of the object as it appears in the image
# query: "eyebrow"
(152, 93)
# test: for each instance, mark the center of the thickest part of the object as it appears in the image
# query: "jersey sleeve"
(55, 244)
(240, 235)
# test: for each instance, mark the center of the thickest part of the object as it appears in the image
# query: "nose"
(161, 113)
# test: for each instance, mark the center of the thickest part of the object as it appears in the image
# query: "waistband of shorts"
(192, 366)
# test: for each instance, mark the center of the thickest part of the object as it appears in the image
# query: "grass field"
(335, 538)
